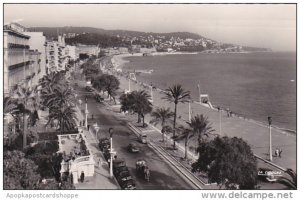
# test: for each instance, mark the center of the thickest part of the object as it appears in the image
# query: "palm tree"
(292, 184)
(186, 134)
(60, 96)
(10, 107)
(138, 102)
(198, 127)
(51, 80)
(65, 115)
(163, 116)
(26, 104)
(176, 94)
(142, 104)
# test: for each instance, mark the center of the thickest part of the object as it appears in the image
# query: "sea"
(252, 85)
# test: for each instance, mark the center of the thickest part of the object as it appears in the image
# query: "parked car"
(143, 139)
(268, 175)
(128, 184)
(117, 163)
(123, 176)
(133, 148)
(104, 143)
(88, 88)
(118, 170)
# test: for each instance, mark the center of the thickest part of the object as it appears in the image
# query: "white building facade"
(21, 64)
(56, 57)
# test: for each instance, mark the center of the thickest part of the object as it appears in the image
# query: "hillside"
(179, 41)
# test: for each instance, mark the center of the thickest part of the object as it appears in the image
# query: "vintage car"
(142, 139)
(117, 163)
(128, 184)
(123, 176)
(132, 148)
(118, 170)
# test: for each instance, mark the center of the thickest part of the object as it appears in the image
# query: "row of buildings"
(28, 56)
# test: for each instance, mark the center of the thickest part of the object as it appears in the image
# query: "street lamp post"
(151, 92)
(97, 129)
(110, 130)
(199, 91)
(129, 84)
(220, 116)
(190, 115)
(270, 133)
(86, 113)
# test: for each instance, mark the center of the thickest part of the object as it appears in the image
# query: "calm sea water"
(254, 85)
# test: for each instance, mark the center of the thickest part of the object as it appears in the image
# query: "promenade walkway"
(256, 134)
(101, 178)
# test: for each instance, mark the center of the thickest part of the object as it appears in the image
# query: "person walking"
(280, 152)
(88, 127)
(277, 152)
(82, 177)
(99, 163)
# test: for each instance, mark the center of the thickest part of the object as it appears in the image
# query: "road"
(163, 177)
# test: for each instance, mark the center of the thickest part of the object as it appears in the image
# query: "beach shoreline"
(119, 61)
(255, 133)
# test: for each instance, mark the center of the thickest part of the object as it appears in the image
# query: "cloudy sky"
(261, 25)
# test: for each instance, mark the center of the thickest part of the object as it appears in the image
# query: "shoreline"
(119, 61)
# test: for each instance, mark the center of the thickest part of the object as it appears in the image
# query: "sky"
(259, 25)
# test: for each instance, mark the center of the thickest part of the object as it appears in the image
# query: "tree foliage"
(137, 102)
(290, 183)
(229, 162)
(107, 83)
(162, 116)
(19, 172)
(197, 128)
(176, 94)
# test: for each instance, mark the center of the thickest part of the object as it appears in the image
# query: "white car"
(143, 139)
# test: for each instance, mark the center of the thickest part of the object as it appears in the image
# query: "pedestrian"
(277, 152)
(100, 162)
(218, 109)
(88, 126)
(82, 177)
(227, 110)
(280, 152)
(79, 122)
(83, 123)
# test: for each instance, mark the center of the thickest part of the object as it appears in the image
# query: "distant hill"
(180, 41)
(52, 32)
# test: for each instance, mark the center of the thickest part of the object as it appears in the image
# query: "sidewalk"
(101, 178)
(256, 134)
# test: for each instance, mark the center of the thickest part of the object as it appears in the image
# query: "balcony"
(17, 46)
